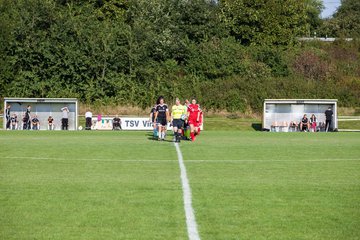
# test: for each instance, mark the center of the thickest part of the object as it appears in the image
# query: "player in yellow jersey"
(178, 114)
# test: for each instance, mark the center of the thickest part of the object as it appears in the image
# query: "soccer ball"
(80, 127)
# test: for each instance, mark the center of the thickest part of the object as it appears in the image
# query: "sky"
(330, 7)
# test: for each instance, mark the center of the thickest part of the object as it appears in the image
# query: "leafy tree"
(131, 51)
(313, 11)
(348, 18)
(264, 22)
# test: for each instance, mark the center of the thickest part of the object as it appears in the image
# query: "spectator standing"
(35, 123)
(7, 113)
(24, 122)
(328, 115)
(27, 119)
(65, 118)
(50, 123)
(88, 118)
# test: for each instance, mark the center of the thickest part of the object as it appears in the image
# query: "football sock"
(192, 136)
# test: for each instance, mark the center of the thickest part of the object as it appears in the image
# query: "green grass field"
(123, 185)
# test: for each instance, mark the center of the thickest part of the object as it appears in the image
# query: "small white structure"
(43, 108)
(278, 114)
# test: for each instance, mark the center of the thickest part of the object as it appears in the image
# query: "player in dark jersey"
(162, 118)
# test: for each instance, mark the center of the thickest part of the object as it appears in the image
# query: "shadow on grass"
(256, 126)
(150, 136)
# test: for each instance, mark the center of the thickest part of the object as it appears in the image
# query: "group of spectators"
(312, 124)
(116, 122)
(29, 122)
(185, 119)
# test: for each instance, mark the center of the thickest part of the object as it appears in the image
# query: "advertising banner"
(127, 123)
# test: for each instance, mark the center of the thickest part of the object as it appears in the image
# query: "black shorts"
(178, 123)
(161, 121)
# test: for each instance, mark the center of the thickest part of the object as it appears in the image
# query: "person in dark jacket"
(7, 113)
(328, 114)
(27, 119)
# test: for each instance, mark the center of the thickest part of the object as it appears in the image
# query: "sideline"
(189, 211)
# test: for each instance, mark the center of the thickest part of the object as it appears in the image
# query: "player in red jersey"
(194, 119)
(200, 122)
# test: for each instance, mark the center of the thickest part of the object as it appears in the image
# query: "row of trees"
(231, 54)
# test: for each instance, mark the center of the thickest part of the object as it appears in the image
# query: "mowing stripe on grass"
(189, 211)
(91, 159)
(193, 160)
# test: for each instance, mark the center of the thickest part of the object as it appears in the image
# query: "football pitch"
(124, 185)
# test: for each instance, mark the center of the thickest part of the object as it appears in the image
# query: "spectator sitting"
(322, 126)
(50, 123)
(25, 122)
(13, 122)
(88, 118)
(293, 126)
(116, 123)
(35, 123)
(304, 124)
(313, 122)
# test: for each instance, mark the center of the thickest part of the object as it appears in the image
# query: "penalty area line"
(193, 233)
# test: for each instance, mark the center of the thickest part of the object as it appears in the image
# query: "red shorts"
(193, 122)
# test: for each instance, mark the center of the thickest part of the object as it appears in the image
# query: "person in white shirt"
(65, 118)
(88, 117)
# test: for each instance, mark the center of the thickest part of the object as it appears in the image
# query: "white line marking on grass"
(189, 211)
(271, 160)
